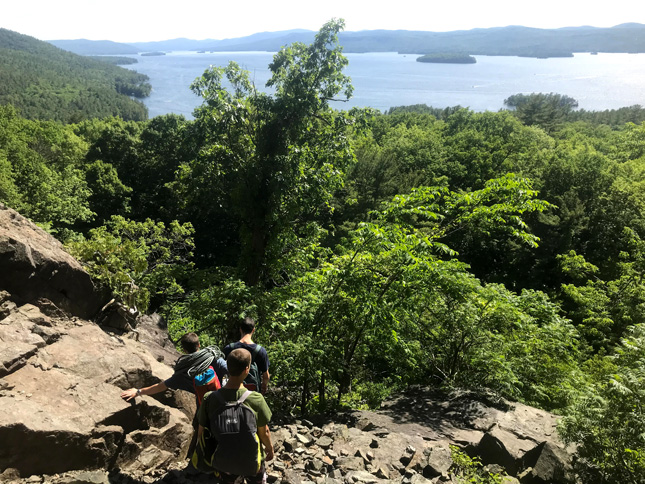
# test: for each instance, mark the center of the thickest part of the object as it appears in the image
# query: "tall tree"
(41, 170)
(271, 160)
(608, 421)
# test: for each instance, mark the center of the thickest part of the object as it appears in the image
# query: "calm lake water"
(384, 80)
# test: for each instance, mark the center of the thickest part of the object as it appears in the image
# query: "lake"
(383, 80)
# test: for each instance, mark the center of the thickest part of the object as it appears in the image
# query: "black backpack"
(234, 427)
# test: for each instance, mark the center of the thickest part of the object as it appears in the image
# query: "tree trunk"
(255, 255)
(321, 391)
(304, 397)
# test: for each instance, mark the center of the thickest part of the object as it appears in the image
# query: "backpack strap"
(222, 400)
(243, 397)
(255, 352)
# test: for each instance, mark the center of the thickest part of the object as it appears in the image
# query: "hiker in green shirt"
(239, 364)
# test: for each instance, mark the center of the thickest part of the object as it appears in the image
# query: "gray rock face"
(19, 334)
(34, 265)
(413, 434)
(61, 405)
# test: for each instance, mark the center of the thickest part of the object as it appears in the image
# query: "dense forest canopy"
(44, 82)
(116, 60)
(498, 251)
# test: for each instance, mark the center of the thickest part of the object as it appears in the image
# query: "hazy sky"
(147, 20)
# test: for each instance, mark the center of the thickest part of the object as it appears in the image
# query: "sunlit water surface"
(384, 80)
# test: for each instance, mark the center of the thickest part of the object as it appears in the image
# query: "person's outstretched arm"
(130, 393)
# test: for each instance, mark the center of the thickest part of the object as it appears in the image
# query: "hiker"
(258, 378)
(244, 440)
(198, 371)
(194, 370)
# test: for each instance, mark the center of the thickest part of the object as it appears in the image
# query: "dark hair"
(189, 342)
(247, 325)
(237, 361)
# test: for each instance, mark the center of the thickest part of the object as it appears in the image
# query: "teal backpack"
(254, 380)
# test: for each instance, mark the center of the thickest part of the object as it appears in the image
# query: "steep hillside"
(45, 82)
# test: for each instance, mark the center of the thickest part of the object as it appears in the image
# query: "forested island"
(115, 60)
(444, 58)
(499, 252)
(544, 54)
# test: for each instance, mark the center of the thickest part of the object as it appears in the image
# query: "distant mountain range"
(511, 40)
(95, 47)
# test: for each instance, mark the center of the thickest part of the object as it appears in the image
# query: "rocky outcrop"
(63, 421)
(34, 265)
(409, 439)
(61, 405)
(62, 375)
(393, 445)
(62, 411)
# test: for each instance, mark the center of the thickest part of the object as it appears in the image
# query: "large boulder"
(547, 463)
(34, 265)
(62, 375)
(61, 405)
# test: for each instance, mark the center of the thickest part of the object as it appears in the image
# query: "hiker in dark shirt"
(259, 356)
(193, 363)
(195, 372)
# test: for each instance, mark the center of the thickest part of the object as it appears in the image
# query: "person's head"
(238, 361)
(247, 326)
(189, 342)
